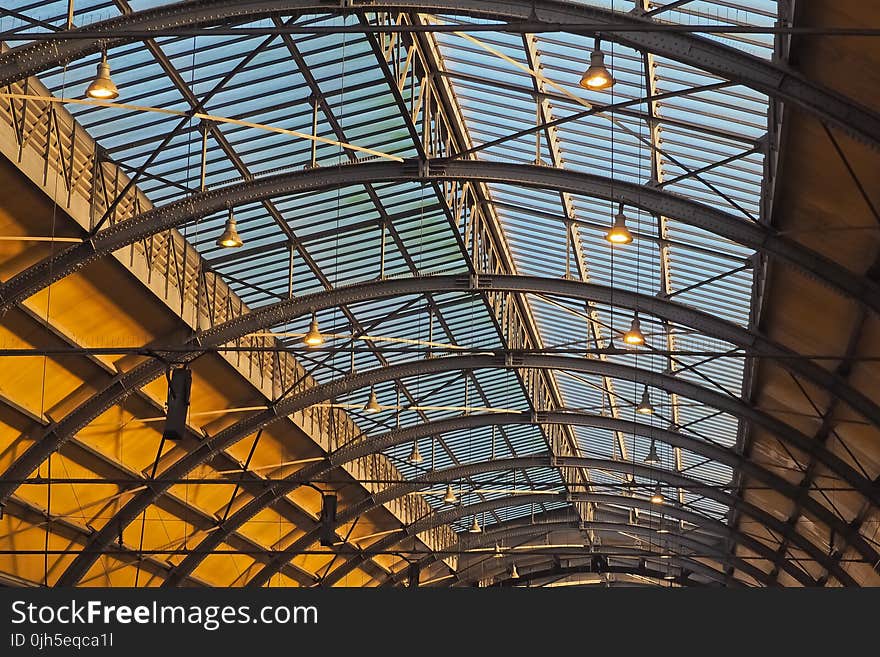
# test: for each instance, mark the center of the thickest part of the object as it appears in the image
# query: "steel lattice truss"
(468, 221)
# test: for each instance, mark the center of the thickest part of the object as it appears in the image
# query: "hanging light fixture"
(619, 233)
(514, 573)
(634, 336)
(102, 87)
(657, 496)
(497, 554)
(230, 238)
(597, 77)
(645, 407)
(372, 405)
(653, 458)
(414, 456)
(475, 527)
(313, 338)
(450, 497)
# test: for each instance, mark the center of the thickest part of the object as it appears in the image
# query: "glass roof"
(702, 140)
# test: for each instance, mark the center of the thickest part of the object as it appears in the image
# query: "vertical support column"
(426, 115)
(313, 161)
(291, 247)
(382, 251)
(204, 163)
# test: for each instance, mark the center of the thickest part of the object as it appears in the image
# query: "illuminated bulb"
(619, 233)
(657, 497)
(313, 338)
(597, 77)
(450, 497)
(102, 87)
(372, 405)
(634, 336)
(475, 528)
(230, 238)
(645, 408)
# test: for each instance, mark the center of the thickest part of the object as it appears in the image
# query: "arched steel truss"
(543, 527)
(756, 73)
(405, 488)
(767, 77)
(231, 435)
(285, 310)
(59, 433)
(447, 516)
(450, 515)
(124, 233)
(568, 571)
(382, 442)
(532, 531)
(487, 538)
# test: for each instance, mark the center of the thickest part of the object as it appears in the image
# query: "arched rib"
(516, 463)
(755, 236)
(245, 427)
(768, 77)
(279, 313)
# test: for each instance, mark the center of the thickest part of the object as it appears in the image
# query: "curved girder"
(762, 75)
(345, 385)
(523, 462)
(263, 576)
(528, 576)
(490, 536)
(124, 233)
(681, 560)
(786, 80)
(445, 517)
(55, 435)
(379, 443)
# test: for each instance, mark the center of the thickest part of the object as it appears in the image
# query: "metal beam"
(451, 515)
(537, 526)
(624, 467)
(263, 576)
(282, 408)
(544, 528)
(527, 576)
(122, 385)
(684, 560)
(401, 436)
(768, 77)
(755, 236)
